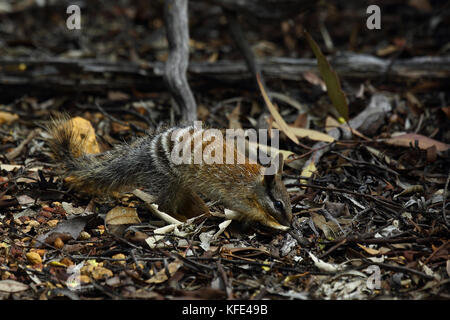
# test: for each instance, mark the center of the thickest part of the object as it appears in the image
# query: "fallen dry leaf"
(308, 171)
(34, 258)
(446, 110)
(24, 199)
(331, 123)
(12, 286)
(409, 139)
(117, 95)
(275, 114)
(253, 147)
(372, 251)
(315, 80)
(8, 118)
(58, 243)
(422, 5)
(309, 133)
(329, 228)
(161, 276)
(122, 215)
(120, 256)
(101, 273)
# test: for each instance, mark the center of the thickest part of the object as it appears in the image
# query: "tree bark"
(177, 30)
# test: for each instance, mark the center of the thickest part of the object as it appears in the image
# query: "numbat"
(153, 163)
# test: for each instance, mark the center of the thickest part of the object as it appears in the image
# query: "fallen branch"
(18, 150)
(71, 75)
(176, 23)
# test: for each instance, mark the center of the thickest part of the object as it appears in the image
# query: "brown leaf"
(51, 238)
(409, 139)
(58, 243)
(387, 50)
(446, 110)
(122, 215)
(118, 128)
(373, 252)
(8, 118)
(315, 80)
(431, 154)
(161, 276)
(309, 133)
(117, 96)
(101, 273)
(422, 5)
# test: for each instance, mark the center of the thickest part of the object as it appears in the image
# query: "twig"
(364, 163)
(107, 292)
(192, 264)
(444, 214)
(399, 268)
(445, 244)
(149, 201)
(383, 240)
(337, 245)
(18, 150)
(224, 277)
(387, 203)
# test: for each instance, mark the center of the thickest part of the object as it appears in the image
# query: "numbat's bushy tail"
(149, 163)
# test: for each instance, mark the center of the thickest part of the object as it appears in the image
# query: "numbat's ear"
(269, 179)
(278, 161)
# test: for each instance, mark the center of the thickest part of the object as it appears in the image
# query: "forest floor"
(371, 216)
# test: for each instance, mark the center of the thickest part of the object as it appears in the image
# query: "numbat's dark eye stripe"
(278, 205)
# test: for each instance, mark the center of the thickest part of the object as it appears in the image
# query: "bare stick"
(177, 29)
(149, 201)
(18, 150)
(444, 214)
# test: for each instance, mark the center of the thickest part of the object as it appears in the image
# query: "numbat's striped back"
(200, 149)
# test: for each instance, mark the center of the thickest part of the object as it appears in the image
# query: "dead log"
(347, 65)
(95, 76)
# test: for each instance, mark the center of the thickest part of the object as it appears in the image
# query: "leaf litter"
(376, 198)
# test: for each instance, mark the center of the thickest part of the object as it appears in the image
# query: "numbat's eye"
(278, 205)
